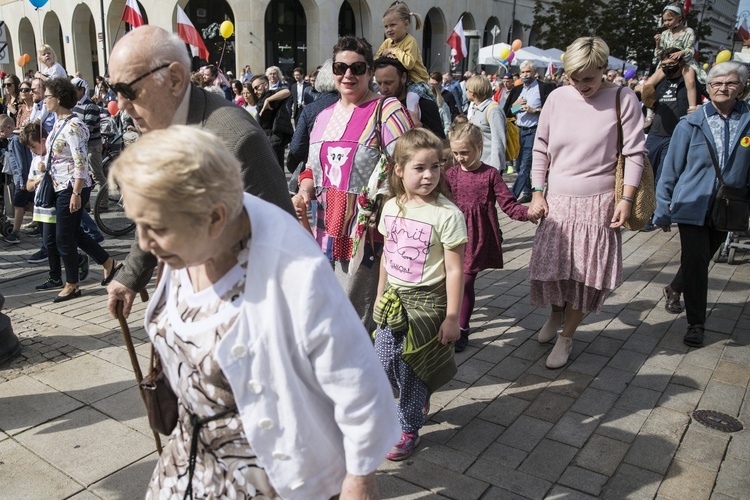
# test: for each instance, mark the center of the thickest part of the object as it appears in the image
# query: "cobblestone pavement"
(614, 423)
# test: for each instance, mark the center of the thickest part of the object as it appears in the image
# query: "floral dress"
(186, 327)
(68, 142)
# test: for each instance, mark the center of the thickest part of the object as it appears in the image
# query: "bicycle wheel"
(112, 220)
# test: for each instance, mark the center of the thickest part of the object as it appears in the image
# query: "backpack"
(512, 135)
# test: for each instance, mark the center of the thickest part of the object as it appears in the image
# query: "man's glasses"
(729, 85)
(357, 68)
(126, 89)
(258, 87)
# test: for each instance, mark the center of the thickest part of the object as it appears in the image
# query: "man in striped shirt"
(88, 112)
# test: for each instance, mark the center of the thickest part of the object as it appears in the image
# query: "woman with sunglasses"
(67, 162)
(26, 104)
(11, 95)
(346, 144)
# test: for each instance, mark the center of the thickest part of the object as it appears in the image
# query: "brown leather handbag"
(161, 401)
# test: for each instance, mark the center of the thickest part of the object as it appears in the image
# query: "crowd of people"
(356, 280)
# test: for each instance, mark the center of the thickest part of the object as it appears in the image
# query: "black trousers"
(699, 244)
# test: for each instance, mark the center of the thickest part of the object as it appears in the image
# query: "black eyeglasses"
(358, 68)
(8, 84)
(126, 89)
(24, 89)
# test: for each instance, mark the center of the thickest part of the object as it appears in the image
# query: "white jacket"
(313, 398)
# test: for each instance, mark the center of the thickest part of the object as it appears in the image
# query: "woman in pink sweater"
(577, 257)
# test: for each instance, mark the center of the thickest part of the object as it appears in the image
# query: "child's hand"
(386, 53)
(533, 216)
(657, 37)
(449, 331)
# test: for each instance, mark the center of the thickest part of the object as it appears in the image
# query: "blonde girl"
(399, 44)
(419, 291)
(49, 67)
(476, 188)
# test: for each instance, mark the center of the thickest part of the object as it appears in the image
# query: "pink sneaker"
(403, 449)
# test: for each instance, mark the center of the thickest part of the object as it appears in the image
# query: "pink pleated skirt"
(576, 258)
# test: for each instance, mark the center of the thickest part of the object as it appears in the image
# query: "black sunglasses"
(24, 89)
(358, 68)
(8, 84)
(126, 89)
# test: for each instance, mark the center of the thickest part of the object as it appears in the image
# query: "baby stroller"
(728, 249)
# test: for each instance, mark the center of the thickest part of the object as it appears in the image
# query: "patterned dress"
(186, 326)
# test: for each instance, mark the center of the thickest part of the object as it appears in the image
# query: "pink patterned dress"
(476, 193)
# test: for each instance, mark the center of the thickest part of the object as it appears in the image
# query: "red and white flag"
(457, 42)
(743, 32)
(550, 69)
(132, 14)
(688, 6)
(190, 35)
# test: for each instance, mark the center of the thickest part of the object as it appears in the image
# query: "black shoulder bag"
(731, 207)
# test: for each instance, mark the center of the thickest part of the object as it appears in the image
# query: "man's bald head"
(161, 64)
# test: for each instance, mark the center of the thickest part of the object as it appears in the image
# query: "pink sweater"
(576, 140)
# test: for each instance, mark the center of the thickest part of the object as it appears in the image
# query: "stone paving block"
(531, 350)
(604, 346)
(510, 369)
(504, 410)
(540, 368)
(723, 398)
(570, 383)
(525, 433)
(633, 483)
(574, 429)
(641, 343)
(732, 373)
(737, 353)
(637, 398)
(687, 480)
(447, 393)
(509, 479)
(26, 402)
(588, 364)
(472, 370)
(734, 478)
(658, 440)
(444, 456)
(486, 389)
(594, 402)
(602, 455)
(528, 386)
(549, 406)
(460, 411)
(19, 466)
(84, 495)
(475, 436)
(533, 322)
(561, 492)
(672, 340)
(548, 460)
(722, 325)
(705, 449)
(130, 482)
(680, 398)
(435, 478)
(579, 479)
(504, 455)
(127, 408)
(496, 493)
(612, 380)
(515, 335)
(652, 377)
(693, 376)
(80, 444)
(739, 446)
(629, 361)
(494, 352)
(438, 432)
(622, 425)
(391, 486)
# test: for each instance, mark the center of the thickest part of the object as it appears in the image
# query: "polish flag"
(132, 14)
(743, 31)
(457, 42)
(688, 5)
(551, 69)
(190, 35)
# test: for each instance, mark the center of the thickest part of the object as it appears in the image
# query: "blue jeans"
(522, 186)
(89, 226)
(657, 146)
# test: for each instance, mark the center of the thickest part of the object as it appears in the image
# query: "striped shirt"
(88, 112)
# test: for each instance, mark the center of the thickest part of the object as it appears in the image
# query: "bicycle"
(109, 210)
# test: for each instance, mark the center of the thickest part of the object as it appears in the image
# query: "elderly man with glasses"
(150, 72)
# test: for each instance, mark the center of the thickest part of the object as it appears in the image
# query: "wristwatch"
(77, 194)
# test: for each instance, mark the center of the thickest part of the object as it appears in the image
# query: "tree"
(627, 27)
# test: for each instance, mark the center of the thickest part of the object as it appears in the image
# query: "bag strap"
(619, 122)
(714, 160)
(49, 153)
(487, 111)
(378, 125)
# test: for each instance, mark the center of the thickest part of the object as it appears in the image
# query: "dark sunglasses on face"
(126, 89)
(8, 84)
(358, 68)
(24, 89)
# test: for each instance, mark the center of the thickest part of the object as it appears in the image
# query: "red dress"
(476, 194)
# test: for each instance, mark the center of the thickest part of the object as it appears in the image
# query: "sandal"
(116, 266)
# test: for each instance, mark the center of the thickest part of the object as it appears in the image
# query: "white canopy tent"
(615, 63)
(490, 56)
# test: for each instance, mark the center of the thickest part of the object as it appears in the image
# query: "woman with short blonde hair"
(488, 116)
(585, 53)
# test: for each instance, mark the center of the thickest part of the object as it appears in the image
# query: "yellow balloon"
(705, 65)
(226, 29)
(723, 56)
(504, 53)
(562, 56)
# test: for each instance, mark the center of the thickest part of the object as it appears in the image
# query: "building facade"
(721, 16)
(285, 33)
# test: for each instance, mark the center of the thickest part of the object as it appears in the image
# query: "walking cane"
(133, 358)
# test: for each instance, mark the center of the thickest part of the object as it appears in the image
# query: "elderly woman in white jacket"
(256, 336)
(488, 116)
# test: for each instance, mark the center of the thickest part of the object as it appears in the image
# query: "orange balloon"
(26, 57)
(517, 44)
(20, 61)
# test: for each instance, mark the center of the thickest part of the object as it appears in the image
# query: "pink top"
(576, 140)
